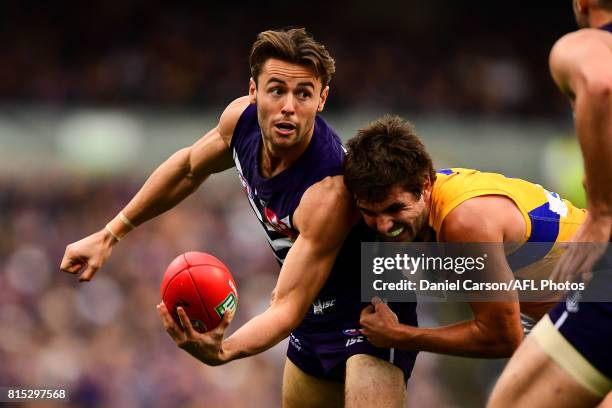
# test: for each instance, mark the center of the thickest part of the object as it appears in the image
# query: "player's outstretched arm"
(495, 330)
(169, 184)
(324, 217)
(581, 65)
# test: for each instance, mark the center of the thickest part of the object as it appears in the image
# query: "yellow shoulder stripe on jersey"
(450, 206)
(563, 353)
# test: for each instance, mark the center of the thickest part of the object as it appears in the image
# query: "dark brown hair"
(386, 153)
(295, 46)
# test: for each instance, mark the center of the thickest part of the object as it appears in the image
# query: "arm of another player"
(324, 218)
(495, 330)
(168, 185)
(581, 65)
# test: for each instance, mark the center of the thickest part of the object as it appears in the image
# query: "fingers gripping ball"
(203, 286)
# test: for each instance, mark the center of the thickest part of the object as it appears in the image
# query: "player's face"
(400, 217)
(288, 97)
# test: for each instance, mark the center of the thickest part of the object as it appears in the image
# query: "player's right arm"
(324, 217)
(175, 179)
(581, 65)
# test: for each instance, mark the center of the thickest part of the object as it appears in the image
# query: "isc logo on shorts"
(354, 340)
(319, 306)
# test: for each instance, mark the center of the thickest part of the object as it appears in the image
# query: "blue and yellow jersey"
(548, 218)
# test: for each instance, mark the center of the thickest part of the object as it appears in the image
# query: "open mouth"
(284, 127)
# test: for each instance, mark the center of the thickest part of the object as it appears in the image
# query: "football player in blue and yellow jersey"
(401, 196)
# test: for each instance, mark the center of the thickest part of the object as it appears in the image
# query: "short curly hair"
(384, 154)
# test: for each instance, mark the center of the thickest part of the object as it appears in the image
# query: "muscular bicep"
(211, 154)
(479, 219)
(324, 217)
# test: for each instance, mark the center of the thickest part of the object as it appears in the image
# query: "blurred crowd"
(103, 340)
(408, 56)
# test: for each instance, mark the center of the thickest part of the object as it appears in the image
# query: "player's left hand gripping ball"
(203, 286)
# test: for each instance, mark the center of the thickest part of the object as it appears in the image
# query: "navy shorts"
(577, 334)
(321, 349)
(588, 327)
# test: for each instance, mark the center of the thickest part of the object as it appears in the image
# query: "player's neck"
(607, 22)
(599, 19)
(427, 234)
(274, 160)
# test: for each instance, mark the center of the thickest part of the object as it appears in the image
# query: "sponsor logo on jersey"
(245, 184)
(572, 302)
(351, 332)
(278, 225)
(295, 342)
(319, 306)
(556, 204)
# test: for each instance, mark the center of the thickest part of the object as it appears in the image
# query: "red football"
(203, 286)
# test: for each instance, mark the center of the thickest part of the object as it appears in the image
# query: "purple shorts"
(321, 350)
(577, 333)
(588, 327)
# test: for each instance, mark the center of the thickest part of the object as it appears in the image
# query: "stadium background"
(93, 95)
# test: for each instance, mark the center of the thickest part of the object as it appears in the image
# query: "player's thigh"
(533, 379)
(373, 382)
(303, 390)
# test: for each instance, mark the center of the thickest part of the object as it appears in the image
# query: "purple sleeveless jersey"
(275, 199)
(329, 333)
